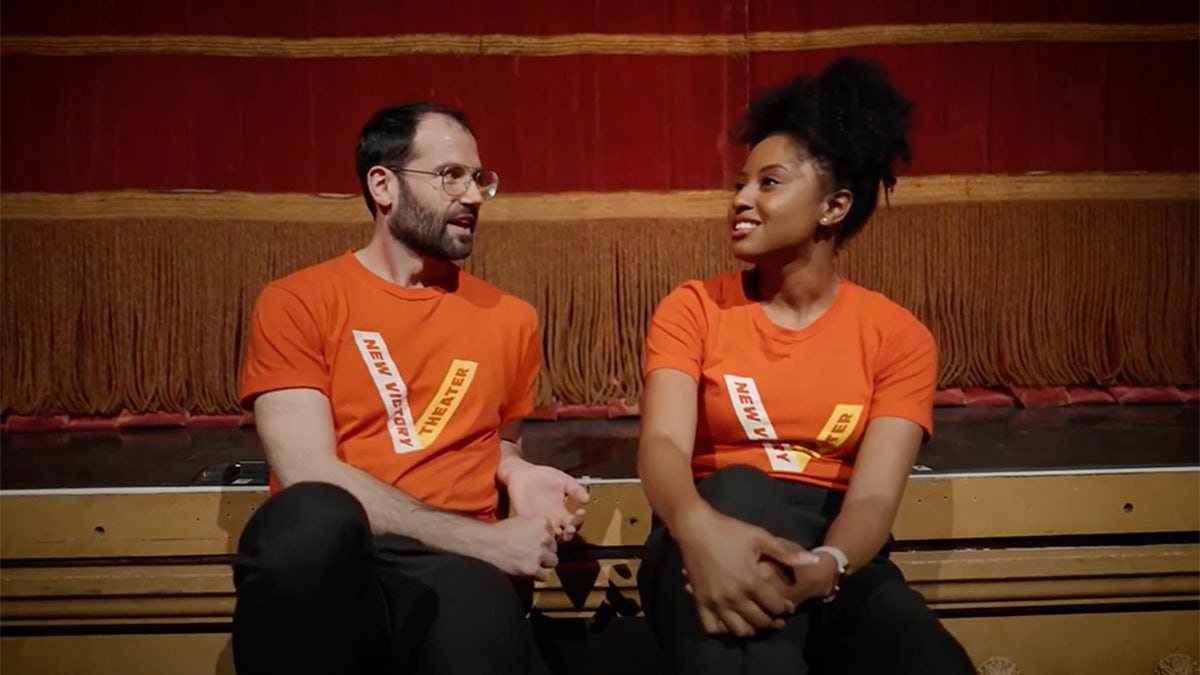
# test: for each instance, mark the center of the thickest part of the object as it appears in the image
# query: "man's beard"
(426, 232)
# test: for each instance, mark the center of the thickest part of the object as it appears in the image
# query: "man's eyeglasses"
(457, 179)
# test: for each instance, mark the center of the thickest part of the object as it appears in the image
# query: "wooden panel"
(1053, 576)
(976, 507)
(1031, 506)
(116, 593)
(1126, 643)
(185, 654)
(75, 525)
(144, 609)
(975, 579)
(115, 580)
(173, 523)
(960, 579)
(618, 515)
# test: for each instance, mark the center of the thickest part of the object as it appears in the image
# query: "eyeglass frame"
(473, 178)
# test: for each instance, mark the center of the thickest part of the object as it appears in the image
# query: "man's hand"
(734, 592)
(523, 546)
(536, 490)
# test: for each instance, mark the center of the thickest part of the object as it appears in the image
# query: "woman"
(783, 410)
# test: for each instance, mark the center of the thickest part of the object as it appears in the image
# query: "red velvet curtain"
(166, 120)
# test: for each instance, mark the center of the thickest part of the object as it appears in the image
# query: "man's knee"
(465, 583)
(741, 492)
(303, 537)
(476, 599)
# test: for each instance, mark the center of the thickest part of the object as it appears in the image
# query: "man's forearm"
(392, 511)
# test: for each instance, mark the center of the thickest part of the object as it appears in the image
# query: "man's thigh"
(448, 613)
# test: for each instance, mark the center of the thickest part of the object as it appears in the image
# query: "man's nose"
(473, 194)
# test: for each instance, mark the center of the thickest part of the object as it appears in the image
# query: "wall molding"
(592, 43)
(573, 207)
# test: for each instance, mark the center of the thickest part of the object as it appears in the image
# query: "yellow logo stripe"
(798, 454)
(840, 424)
(439, 411)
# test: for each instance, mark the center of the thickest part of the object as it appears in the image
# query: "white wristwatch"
(843, 567)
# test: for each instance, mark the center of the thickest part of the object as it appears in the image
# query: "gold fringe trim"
(151, 314)
(572, 207)
(591, 43)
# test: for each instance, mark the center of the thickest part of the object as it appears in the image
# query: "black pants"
(876, 624)
(317, 593)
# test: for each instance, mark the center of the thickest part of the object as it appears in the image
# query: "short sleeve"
(675, 338)
(528, 365)
(285, 348)
(907, 376)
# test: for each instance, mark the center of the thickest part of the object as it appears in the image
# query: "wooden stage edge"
(1018, 564)
(1085, 644)
(198, 521)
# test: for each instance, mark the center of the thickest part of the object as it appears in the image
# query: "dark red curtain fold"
(579, 122)
(334, 18)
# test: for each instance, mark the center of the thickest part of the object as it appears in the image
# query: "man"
(388, 387)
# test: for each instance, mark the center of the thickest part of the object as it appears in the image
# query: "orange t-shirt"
(792, 403)
(419, 379)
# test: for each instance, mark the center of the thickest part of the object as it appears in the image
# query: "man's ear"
(379, 184)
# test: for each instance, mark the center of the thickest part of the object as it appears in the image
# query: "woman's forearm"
(666, 475)
(861, 528)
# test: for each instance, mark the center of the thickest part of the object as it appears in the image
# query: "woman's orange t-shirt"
(792, 403)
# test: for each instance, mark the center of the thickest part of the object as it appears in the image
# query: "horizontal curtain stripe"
(592, 43)
(574, 206)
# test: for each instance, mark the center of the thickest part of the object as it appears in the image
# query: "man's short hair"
(387, 138)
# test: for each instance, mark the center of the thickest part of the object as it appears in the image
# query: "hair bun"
(866, 119)
(851, 121)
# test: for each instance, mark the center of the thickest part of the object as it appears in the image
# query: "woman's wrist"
(689, 519)
(836, 567)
